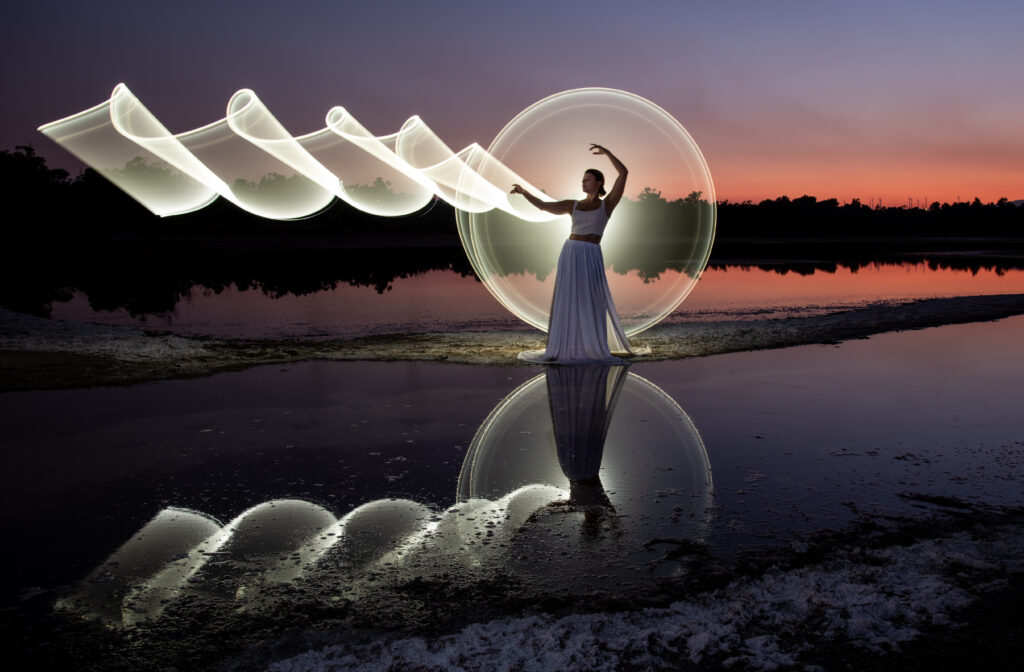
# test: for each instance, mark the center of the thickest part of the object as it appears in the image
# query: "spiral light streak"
(251, 160)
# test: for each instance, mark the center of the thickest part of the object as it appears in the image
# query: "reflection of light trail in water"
(250, 159)
(518, 512)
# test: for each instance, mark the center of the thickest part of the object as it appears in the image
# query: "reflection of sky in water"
(800, 439)
(444, 301)
(815, 435)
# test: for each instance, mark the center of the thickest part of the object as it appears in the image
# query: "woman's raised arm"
(615, 194)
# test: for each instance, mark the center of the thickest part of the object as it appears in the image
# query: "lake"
(238, 509)
(440, 300)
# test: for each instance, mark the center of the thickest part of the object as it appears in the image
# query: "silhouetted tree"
(64, 234)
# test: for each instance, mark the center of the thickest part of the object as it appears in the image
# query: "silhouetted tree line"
(807, 216)
(41, 202)
(64, 234)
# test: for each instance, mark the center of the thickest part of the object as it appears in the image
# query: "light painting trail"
(661, 234)
(249, 159)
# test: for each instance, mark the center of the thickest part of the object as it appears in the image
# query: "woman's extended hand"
(598, 149)
(554, 207)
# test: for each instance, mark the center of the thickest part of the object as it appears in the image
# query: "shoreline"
(881, 594)
(931, 587)
(906, 596)
(45, 354)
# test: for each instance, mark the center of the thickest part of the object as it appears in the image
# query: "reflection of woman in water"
(582, 400)
(584, 324)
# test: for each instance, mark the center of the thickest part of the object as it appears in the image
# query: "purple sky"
(868, 99)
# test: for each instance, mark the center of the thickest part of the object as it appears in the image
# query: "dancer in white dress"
(584, 325)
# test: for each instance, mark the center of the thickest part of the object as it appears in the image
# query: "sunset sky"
(872, 100)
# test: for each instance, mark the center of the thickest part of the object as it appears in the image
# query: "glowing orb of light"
(658, 240)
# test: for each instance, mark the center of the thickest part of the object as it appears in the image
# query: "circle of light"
(515, 447)
(547, 144)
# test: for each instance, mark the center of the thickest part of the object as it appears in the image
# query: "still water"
(445, 301)
(246, 505)
(363, 473)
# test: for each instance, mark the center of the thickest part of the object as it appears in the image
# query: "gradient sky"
(873, 100)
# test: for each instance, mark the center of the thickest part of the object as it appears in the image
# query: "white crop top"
(589, 222)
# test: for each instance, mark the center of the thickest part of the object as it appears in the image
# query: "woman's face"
(590, 184)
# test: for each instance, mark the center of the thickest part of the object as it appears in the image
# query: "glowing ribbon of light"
(278, 541)
(250, 159)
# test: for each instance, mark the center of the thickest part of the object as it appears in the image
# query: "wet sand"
(935, 593)
(38, 353)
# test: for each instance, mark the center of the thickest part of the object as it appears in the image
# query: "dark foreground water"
(389, 496)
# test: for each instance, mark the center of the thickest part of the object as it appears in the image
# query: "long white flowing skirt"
(584, 326)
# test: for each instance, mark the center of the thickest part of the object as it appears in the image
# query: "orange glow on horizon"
(890, 184)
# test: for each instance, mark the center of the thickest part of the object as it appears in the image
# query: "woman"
(584, 325)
